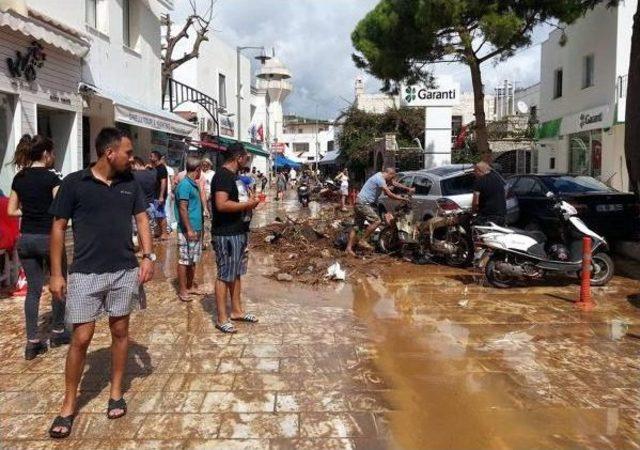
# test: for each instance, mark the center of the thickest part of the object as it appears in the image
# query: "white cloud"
(313, 38)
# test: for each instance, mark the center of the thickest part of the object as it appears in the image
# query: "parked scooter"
(329, 192)
(510, 254)
(303, 194)
(448, 235)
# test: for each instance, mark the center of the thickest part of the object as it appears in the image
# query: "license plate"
(609, 208)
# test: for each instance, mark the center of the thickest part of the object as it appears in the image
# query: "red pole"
(586, 302)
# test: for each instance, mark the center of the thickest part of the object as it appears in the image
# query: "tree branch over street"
(398, 32)
(198, 22)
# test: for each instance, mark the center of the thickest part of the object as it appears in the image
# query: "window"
(91, 13)
(422, 185)
(300, 131)
(528, 186)
(126, 23)
(300, 147)
(222, 90)
(405, 180)
(330, 146)
(587, 71)
(456, 127)
(458, 185)
(552, 163)
(557, 83)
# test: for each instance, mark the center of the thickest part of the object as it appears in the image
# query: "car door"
(532, 201)
(422, 200)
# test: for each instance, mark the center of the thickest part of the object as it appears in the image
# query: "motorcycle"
(400, 231)
(448, 235)
(329, 191)
(509, 254)
(303, 195)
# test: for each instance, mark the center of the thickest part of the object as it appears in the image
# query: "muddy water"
(471, 367)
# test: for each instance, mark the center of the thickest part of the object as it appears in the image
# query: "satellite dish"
(522, 107)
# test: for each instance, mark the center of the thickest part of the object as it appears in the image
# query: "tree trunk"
(481, 135)
(632, 119)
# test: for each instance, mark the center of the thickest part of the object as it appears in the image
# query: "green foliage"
(360, 130)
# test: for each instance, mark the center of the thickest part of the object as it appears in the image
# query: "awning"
(547, 130)
(330, 158)
(251, 148)
(42, 31)
(129, 111)
(283, 161)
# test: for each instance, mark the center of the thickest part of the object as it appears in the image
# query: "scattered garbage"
(284, 277)
(305, 249)
(335, 272)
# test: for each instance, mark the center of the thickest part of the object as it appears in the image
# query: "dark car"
(608, 212)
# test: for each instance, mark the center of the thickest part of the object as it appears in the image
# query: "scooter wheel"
(602, 269)
(388, 240)
(493, 277)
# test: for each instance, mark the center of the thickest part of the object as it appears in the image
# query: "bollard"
(585, 302)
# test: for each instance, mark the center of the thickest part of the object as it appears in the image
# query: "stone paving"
(423, 357)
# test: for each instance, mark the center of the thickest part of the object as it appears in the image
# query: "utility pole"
(316, 138)
(262, 58)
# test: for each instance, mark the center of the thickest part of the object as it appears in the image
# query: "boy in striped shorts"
(231, 207)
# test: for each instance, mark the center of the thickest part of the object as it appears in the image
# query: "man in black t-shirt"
(105, 276)
(147, 178)
(489, 200)
(162, 189)
(231, 207)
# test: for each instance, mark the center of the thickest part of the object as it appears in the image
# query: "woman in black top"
(32, 192)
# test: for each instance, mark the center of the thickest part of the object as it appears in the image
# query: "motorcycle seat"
(539, 236)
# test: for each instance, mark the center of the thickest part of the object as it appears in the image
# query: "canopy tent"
(330, 158)
(282, 161)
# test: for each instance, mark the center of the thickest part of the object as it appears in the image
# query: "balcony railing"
(178, 93)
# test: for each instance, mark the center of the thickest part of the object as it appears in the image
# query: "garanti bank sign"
(420, 95)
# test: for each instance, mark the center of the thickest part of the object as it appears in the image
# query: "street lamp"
(262, 57)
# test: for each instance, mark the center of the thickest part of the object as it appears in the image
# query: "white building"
(582, 96)
(308, 139)
(121, 80)
(45, 98)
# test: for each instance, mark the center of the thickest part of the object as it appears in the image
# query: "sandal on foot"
(116, 404)
(185, 298)
(227, 327)
(61, 422)
(246, 318)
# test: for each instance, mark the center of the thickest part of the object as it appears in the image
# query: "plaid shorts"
(231, 256)
(189, 252)
(89, 295)
(365, 212)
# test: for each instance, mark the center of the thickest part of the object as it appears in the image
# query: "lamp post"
(262, 58)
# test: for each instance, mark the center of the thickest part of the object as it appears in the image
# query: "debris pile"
(310, 251)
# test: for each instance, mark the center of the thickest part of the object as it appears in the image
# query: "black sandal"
(66, 422)
(116, 404)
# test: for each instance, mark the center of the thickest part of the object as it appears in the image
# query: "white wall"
(593, 34)
(323, 139)
(217, 57)
(131, 72)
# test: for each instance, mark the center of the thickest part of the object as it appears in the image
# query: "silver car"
(454, 183)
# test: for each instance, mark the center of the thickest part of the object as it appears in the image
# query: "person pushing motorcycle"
(366, 203)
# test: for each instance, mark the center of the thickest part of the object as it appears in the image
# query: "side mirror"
(550, 194)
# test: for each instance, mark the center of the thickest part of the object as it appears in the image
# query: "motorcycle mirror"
(550, 194)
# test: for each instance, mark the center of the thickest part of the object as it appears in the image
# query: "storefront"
(151, 128)
(585, 143)
(40, 70)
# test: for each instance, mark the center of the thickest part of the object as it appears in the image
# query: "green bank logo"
(410, 94)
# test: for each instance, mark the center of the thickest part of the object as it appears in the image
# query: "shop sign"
(278, 147)
(25, 65)
(420, 95)
(64, 100)
(133, 117)
(588, 119)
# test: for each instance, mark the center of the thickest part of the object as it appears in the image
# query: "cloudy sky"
(312, 37)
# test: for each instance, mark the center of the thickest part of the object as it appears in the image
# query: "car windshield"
(462, 184)
(576, 184)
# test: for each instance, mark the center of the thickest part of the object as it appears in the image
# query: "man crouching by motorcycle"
(366, 206)
(489, 200)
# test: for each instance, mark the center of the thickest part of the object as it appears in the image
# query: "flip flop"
(116, 404)
(227, 328)
(246, 318)
(59, 421)
(185, 299)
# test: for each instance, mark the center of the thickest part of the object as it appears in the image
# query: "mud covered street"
(409, 357)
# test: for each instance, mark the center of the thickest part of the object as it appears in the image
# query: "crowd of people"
(116, 195)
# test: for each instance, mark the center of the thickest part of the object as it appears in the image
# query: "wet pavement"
(422, 357)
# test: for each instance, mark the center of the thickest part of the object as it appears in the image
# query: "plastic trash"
(335, 272)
